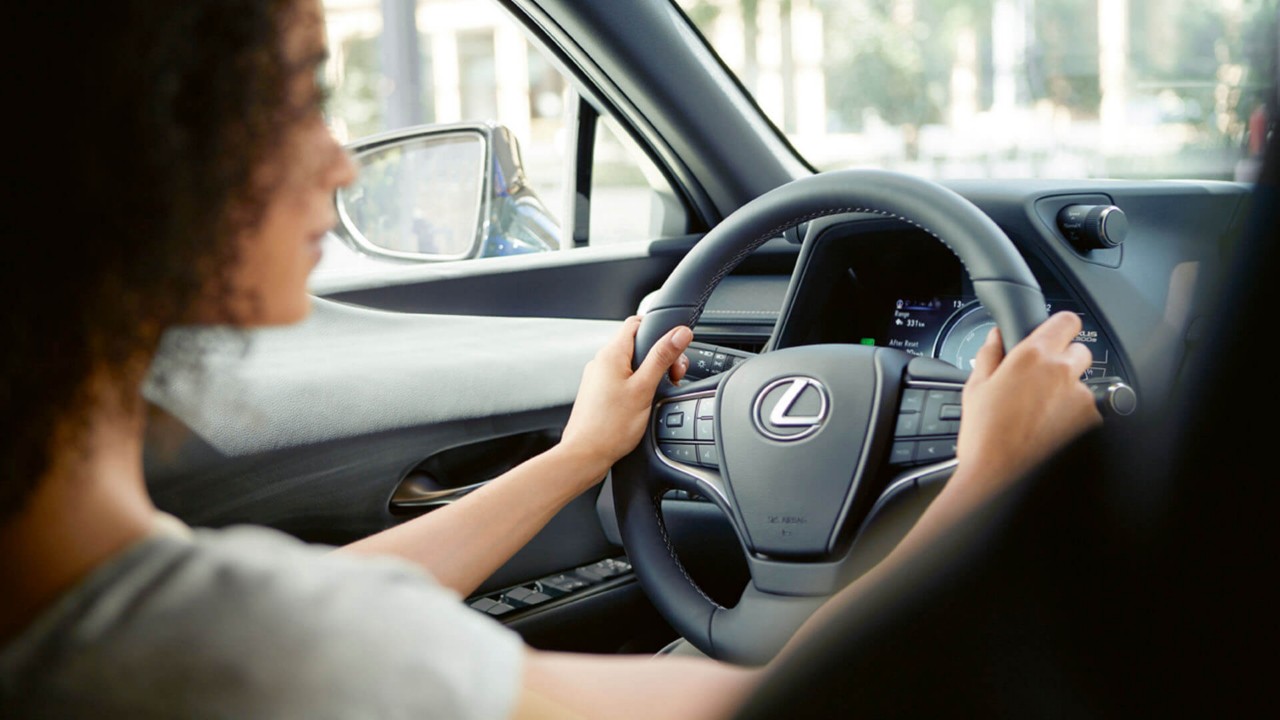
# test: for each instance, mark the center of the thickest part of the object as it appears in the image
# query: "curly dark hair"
(137, 165)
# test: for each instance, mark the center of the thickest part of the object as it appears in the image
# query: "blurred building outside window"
(1007, 88)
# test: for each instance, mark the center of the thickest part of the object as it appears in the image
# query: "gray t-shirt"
(250, 623)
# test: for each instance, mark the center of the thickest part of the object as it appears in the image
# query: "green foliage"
(876, 61)
(1063, 61)
(701, 12)
(357, 99)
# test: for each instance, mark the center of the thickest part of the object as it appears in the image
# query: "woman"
(207, 187)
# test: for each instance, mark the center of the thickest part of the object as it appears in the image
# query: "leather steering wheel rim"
(1001, 279)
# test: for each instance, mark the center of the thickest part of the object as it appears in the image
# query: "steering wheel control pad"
(685, 431)
(795, 429)
(927, 426)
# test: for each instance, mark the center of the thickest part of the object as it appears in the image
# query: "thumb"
(664, 352)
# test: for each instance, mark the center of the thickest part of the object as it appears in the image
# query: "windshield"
(1008, 88)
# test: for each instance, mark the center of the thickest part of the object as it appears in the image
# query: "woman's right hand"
(613, 404)
(1018, 410)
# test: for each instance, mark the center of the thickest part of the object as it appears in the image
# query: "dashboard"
(864, 279)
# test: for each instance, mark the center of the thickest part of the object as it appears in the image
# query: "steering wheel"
(798, 433)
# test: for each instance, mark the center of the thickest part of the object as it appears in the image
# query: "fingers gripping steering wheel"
(798, 430)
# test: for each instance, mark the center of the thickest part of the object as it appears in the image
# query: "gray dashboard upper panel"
(347, 372)
(743, 300)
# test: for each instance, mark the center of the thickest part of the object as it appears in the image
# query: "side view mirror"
(442, 192)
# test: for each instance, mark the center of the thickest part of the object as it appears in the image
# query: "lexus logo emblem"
(791, 408)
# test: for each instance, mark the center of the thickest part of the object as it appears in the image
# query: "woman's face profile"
(269, 280)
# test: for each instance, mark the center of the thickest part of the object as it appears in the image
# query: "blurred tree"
(1063, 62)
(873, 65)
(892, 59)
(357, 100)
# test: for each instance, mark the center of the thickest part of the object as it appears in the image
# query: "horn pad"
(795, 427)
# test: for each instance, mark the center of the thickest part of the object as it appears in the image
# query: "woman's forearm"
(463, 543)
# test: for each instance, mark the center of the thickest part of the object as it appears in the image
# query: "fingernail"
(682, 336)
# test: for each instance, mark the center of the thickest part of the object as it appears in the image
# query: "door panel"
(602, 283)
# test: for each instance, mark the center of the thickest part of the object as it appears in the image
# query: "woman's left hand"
(613, 404)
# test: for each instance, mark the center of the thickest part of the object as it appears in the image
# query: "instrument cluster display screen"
(902, 289)
(953, 328)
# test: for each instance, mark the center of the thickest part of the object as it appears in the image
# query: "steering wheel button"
(707, 408)
(903, 453)
(674, 420)
(707, 456)
(933, 426)
(704, 429)
(908, 425)
(930, 450)
(934, 401)
(912, 401)
(950, 412)
(680, 452)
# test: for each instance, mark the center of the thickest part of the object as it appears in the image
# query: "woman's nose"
(342, 169)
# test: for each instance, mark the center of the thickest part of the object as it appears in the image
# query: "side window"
(398, 64)
(630, 198)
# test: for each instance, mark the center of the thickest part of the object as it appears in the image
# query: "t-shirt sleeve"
(363, 637)
(250, 623)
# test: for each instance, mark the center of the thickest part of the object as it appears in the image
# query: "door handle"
(420, 490)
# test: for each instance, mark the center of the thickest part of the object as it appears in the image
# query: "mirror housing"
(435, 193)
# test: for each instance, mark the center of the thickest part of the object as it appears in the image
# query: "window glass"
(1008, 88)
(630, 198)
(399, 63)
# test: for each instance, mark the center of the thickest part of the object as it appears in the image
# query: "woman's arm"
(465, 542)
(564, 686)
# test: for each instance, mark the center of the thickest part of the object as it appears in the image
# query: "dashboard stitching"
(742, 254)
(662, 527)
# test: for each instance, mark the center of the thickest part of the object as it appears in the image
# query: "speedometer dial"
(963, 334)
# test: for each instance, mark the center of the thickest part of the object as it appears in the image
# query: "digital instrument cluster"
(901, 288)
(953, 328)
